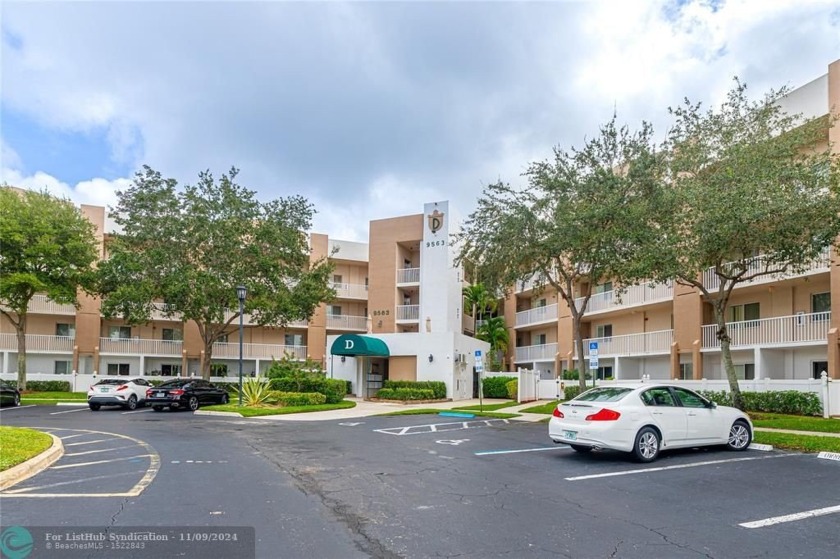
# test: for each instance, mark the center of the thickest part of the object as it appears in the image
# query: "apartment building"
(402, 287)
(782, 327)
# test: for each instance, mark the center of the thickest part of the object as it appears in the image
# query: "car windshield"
(611, 394)
(174, 384)
(115, 381)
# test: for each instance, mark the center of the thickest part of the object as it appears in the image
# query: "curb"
(80, 404)
(34, 465)
(220, 413)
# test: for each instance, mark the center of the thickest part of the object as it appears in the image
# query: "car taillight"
(122, 387)
(177, 392)
(148, 393)
(604, 415)
(92, 386)
(558, 413)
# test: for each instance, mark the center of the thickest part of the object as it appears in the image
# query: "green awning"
(354, 344)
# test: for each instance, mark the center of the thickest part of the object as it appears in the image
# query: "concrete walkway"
(795, 432)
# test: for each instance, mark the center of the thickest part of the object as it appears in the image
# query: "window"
(540, 339)
(686, 371)
(658, 397)
(540, 303)
(294, 340)
(68, 330)
(821, 303)
(689, 399)
(172, 334)
(817, 367)
(170, 370)
(602, 288)
(604, 394)
(406, 264)
(63, 367)
(741, 313)
(745, 371)
(223, 339)
(334, 310)
(119, 332)
(218, 370)
(366, 283)
(603, 331)
(337, 281)
(603, 373)
(121, 369)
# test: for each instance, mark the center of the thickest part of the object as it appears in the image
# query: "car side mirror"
(711, 405)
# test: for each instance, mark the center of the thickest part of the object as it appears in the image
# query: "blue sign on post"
(593, 348)
(478, 353)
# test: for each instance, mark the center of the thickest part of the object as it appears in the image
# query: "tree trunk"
(726, 359)
(579, 343)
(20, 330)
(208, 356)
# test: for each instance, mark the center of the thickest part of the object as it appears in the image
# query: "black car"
(185, 393)
(9, 394)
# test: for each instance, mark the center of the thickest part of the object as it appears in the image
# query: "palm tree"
(494, 331)
(479, 300)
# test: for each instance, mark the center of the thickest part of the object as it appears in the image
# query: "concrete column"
(758, 359)
(675, 360)
(697, 359)
(833, 354)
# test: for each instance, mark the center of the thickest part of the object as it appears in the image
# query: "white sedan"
(646, 419)
(127, 393)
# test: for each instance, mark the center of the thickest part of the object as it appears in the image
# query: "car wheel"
(157, 408)
(580, 448)
(16, 401)
(132, 403)
(646, 448)
(225, 399)
(739, 436)
(94, 407)
(192, 403)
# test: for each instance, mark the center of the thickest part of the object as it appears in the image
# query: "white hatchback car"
(646, 419)
(128, 393)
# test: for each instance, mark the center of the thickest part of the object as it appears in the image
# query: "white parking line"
(97, 451)
(489, 452)
(20, 492)
(17, 408)
(67, 411)
(65, 466)
(440, 427)
(790, 517)
(678, 467)
(137, 411)
(88, 442)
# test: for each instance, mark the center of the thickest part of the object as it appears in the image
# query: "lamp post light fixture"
(241, 292)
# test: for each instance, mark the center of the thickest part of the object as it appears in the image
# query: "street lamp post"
(241, 292)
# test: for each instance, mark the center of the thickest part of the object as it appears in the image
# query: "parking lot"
(426, 486)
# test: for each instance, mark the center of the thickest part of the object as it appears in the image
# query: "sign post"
(479, 368)
(593, 360)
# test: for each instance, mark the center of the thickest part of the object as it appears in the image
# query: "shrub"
(255, 391)
(288, 399)
(778, 401)
(333, 389)
(45, 385)
(289, 366)
(573, 374)
(571, 391)
(438, 388)
(512, 389)
(406, 394)
(496, 387)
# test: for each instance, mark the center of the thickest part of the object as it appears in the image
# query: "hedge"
(779, 401)
(572, 391)
(512, 389)
(45, 385)
(406, 394)
(297, 398)
(496, 387)
(333, 389)
(438, 388)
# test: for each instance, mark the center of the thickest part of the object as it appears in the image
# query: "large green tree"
(46, 247)
(580, 220)
(755, 194)
(190, 249)
(494, 331)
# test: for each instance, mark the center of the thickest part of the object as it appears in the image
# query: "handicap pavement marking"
(441, 427)
(352, 423)
(453, 442)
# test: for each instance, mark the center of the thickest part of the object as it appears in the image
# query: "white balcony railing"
(529, 284)
(541, 352)
(140, 346)
(38, 343)
(408, 275)
(351, 290)
(229, 350)
(820, 264)
(643, 343)
(41, 304)
(782, 330)
(346, 322)
(634, 295)
(408, 313)
(536, 315)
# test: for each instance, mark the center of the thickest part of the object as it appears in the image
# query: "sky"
(367, 109)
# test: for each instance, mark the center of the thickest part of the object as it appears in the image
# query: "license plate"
(159, 394)
(570, 435)
(103, 390)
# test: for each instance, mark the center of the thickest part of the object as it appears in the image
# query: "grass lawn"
(547, 409)
(17, 445)
(247, 411)
(51, 397)
(803, 443)
(489, 407)
(430, 411)
(795, 422)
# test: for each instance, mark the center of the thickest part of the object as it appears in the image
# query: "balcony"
(41, 304)
(633, 296)
(819, 264)
(541, 352)
(408, 313)
(140, 346)
(258, 351)
(346, 322)
(36, 343)
(408, 276)
(645, 343)
(529, 284)
(536, 315)
(800, 329)
(351, 290)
